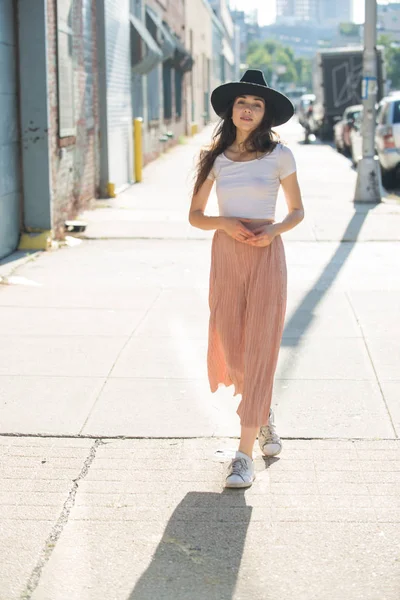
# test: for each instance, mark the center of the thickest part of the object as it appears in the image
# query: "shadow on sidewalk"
(201, 550)
(15, 256)
(299, 322)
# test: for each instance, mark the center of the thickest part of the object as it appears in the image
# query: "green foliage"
(392, 59)
(351, 29)
(273, 58)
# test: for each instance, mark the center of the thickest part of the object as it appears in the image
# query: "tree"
(392, 59)
(259, 58)
(279, 63)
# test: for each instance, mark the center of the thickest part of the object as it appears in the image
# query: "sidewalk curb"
(12, 265)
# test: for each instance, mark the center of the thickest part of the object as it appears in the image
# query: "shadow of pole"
(321, 286)
(201, 549)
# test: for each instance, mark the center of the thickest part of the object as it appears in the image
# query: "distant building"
(389, 20)
(239, 18)
(333, 12)
(249, 30)
(324, 13)
(290, 12)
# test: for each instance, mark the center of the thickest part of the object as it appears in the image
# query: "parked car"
(343, 128)
(387, 138)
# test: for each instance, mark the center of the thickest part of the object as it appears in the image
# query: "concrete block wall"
(75, 159)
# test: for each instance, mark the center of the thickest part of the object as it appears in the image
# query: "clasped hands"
(260, 236)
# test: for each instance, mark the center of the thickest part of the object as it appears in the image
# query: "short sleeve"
(287, 163)
(211, 174)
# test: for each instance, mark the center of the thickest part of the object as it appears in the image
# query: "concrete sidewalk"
(107, 340)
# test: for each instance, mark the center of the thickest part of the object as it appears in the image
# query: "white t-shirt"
(250, 189)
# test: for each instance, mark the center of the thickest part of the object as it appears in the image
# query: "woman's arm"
(197, 218)
(294, 202)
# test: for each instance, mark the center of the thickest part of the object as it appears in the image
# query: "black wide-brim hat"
(253, 84)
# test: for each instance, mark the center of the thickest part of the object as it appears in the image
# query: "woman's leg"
(248, 436)
(265, 315)
(225, 357)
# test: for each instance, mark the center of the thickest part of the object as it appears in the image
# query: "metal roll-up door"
(10, 183)
(119, 112)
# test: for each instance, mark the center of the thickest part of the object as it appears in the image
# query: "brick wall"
(75, 159)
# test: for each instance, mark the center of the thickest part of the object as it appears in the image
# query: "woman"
(248, 267)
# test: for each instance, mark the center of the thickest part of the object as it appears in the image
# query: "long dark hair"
(262, 139)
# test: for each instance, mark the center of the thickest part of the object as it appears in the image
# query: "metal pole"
(368, 187)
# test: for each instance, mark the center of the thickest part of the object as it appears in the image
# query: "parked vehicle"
(387, 138)
(356, 139)
(342, 129)
(337, 78)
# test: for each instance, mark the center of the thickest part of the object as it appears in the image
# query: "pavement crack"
(117, 358)
(58, 528)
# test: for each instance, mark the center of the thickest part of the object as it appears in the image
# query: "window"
(153, 80)
(396, 111)
(153, 95)
(178, 92)
(65, 68)
(167, 72)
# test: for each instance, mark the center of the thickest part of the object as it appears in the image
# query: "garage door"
(9, 148)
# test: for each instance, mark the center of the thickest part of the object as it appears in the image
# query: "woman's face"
(248, 112)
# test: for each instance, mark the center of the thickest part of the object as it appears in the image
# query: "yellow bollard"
(137, 142)
(111, 190)
(194, 129)
(37, 240)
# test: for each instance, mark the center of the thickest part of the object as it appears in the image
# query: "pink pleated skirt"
(247, 299)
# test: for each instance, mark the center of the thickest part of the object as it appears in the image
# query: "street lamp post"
(368, 186)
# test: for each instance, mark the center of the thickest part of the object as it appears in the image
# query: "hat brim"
(223, 96)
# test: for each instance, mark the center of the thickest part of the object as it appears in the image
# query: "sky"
(266, 9)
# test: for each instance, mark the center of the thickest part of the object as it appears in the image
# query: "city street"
(113, 449)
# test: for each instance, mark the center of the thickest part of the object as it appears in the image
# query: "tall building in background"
(325, 13)
(331, 13)
(290, 12)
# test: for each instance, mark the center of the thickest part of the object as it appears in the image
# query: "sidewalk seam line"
(118, 356)
(58, 528)
(188, 437)
(372, 365)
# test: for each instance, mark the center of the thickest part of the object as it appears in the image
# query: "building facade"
(114, 63)
(49, 132)
(226, 52)
(10, 147)
(199, 27)
(73, 76)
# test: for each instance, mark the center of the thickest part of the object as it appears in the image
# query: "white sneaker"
(241, 471)
(269, 440)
